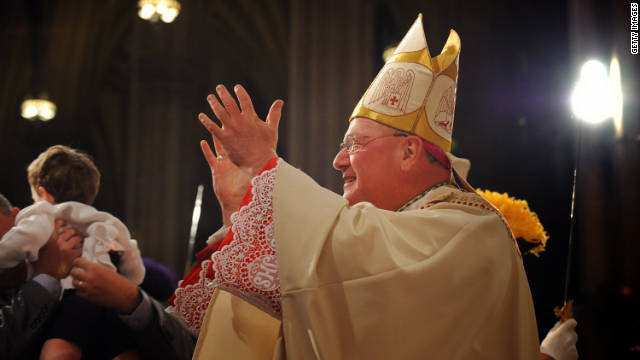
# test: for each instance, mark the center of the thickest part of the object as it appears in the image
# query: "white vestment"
(442, 280)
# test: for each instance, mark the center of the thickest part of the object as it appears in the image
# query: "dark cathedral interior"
(128, 91)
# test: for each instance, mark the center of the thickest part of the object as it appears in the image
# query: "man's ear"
(44, 194)
(411, 152)
(14, 212)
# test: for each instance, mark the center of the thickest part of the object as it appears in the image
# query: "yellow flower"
(523, 222)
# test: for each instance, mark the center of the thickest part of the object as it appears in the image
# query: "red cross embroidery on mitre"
(394, 89)
(444, 113)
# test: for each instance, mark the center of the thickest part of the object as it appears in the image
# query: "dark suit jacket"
(164, 337)
(24, 313)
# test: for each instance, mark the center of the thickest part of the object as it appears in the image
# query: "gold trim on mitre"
(414, 92)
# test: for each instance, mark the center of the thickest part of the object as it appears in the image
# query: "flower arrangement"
(523, 222)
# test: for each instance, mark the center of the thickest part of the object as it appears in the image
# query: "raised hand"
(247, 140)
(230, 183)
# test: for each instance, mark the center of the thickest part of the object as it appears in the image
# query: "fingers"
(69, 239)
(84, 289)
(275, 112)
(556, 325)
(77, 242)
(80, 273)
(78, 284)
(228, 101)
(208, 154)
(221, 113)
(212, 127)
(57, 225)
(569, 324)
(65, 235)
(80, 266)
(217, 146)
(245, 100)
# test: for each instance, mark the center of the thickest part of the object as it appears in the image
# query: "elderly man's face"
(370, 171)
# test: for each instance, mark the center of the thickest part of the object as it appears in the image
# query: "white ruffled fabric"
(247, 266)
(104, 233)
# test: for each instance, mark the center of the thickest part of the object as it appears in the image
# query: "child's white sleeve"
(108, 233)
(131, 265)
(24, 240)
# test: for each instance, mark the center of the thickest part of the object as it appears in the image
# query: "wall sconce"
(38, 109)
(154, 10)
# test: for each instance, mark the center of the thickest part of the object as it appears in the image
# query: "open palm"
(230, 182)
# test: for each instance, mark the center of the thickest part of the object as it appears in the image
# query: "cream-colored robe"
(443, 282)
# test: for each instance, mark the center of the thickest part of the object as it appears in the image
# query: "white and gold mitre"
(415, 92)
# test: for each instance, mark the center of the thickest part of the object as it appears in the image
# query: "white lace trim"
(247, 266)
(191, 302)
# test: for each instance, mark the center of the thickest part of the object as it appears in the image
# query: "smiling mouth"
(349, 180)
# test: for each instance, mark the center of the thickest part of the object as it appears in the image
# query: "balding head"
(5, 205)
(8, 215)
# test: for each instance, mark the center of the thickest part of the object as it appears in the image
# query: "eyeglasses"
(354, 144)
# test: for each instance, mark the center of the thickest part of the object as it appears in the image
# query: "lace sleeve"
(243, 262)
(247, 266)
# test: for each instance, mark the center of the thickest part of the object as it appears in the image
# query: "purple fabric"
(159, 281)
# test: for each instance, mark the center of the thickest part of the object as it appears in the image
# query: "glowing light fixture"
(596, 97)
(154, 10)
(146, 11)
(616, 95)
(38, 109)
(592, 98)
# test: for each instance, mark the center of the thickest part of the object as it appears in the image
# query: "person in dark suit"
(27, 305)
